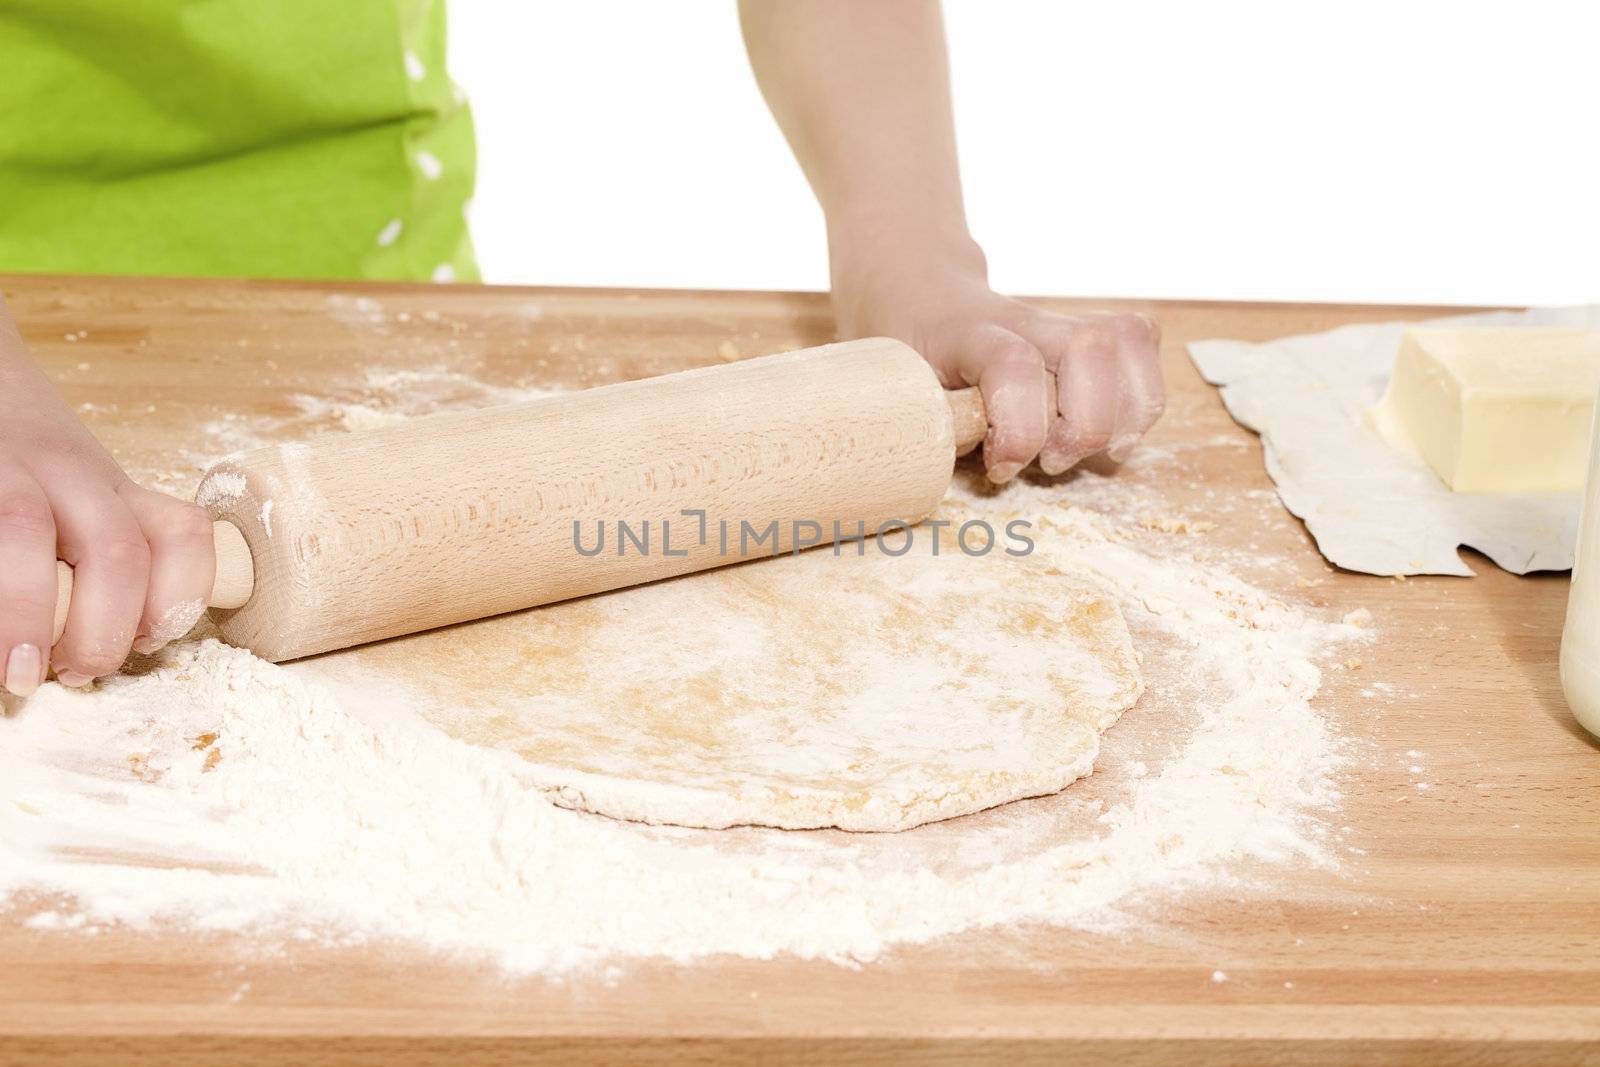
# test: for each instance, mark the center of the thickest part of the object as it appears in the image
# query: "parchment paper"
(1371, 507)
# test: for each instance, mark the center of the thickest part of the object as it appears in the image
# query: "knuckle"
(185, 525)
(25, 515)
(1138, 328)
(124, 553)
(27, 609)
(1095, 340)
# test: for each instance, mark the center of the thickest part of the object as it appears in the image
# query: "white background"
(1387, 152)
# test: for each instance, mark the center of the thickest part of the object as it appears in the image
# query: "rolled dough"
(865, 693)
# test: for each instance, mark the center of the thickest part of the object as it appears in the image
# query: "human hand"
(862, 92)
(143, 561)
(1108, 388)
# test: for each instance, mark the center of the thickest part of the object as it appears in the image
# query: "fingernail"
(24, 670)
(1003, 472)
(1053, 463)
(72, 679)
(1064, 461)
(147, 645)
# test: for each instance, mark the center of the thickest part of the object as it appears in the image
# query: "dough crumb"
(728, 352)
(1359, 617)
(1176, 524)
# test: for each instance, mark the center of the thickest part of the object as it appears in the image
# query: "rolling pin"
(351, 538)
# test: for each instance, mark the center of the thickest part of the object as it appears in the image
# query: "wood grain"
(1464, 924)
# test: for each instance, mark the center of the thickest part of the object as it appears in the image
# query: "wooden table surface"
(1466, 928)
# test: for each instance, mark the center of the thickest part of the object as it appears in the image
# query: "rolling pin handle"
(967, 416)
(234, 583)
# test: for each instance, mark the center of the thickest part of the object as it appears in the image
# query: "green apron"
(256, 138)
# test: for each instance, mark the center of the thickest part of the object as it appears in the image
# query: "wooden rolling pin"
(351, 538)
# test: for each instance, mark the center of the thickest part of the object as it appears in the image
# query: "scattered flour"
(210, 790)
(355, 417)
(220, 489)
(377, 397)
(391, 396)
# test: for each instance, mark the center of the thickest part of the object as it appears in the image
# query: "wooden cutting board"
(1468, 927)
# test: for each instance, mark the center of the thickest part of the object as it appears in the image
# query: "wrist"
(886, 243)
(879, 271)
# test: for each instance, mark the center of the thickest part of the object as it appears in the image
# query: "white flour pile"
(250, 796)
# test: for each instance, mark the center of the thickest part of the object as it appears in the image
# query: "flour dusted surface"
(860, 690)
(276, 799)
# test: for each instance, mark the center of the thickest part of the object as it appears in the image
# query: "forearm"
(862, 92)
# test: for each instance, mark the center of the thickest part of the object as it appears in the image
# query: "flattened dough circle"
(860, 692)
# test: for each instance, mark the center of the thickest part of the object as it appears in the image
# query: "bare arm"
(862, 92)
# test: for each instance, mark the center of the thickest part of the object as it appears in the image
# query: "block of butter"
(1495, 410)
